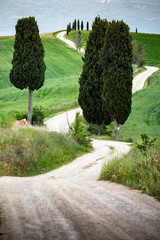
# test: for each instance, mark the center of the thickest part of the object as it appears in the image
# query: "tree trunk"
(30, 106)
(116, 129)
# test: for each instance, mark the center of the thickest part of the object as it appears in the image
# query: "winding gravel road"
(70, 204)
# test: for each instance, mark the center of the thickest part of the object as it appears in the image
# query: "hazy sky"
(53, 15)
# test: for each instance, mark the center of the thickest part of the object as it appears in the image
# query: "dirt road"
(70, 204)
(68, 42)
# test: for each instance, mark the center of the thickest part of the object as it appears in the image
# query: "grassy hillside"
(145, 115)
(150, 43)
(60, 89)
(61, 85)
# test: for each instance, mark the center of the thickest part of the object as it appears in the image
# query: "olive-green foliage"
(117, 71)
(79, 131)
(91, 81)
(138, 54)
(28, 58)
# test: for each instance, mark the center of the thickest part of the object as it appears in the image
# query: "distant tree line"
(77, 25)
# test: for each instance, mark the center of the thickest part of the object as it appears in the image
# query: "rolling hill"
(60, 89)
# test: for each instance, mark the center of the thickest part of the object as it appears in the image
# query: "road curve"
(70, 204)
(139, 80)
(68, 42)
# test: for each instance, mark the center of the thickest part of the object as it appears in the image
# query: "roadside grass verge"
(28, 152)
(136, 170)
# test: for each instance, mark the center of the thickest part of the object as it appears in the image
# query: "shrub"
(38, 116)
(20, 116)
(79, 130)
(146, 143)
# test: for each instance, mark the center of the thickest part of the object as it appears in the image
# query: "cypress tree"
(87, 26)
(117, 60)
(78, 25)
(81, 25)
(75, 25)
(28, 67)
(91, 81)
(67, 30)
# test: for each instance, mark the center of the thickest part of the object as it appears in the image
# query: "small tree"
(136, 30)
(117, 74)
(91, 81)
(138, 54)
(87, 26)
(82, 25)
(78, 41)
(28, 67)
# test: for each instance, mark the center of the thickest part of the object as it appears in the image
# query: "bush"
(20, 116)
(146, 143)
(38, 116)
(138, 54)
(80, 132)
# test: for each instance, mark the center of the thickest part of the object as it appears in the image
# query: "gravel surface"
(69, 203)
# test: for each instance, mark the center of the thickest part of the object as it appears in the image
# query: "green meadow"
(60, 90)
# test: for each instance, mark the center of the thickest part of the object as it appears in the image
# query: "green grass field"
(150, 43)
(60, 89)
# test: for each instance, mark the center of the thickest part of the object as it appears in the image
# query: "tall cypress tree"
(67, 29)
(75, 24)
(87, 26)
(118, 73)
(78, 25)
(28, 67)
(82, 25)
(91, 81)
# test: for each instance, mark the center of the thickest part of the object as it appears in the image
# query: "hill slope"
(60, 89)
(61, 85)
